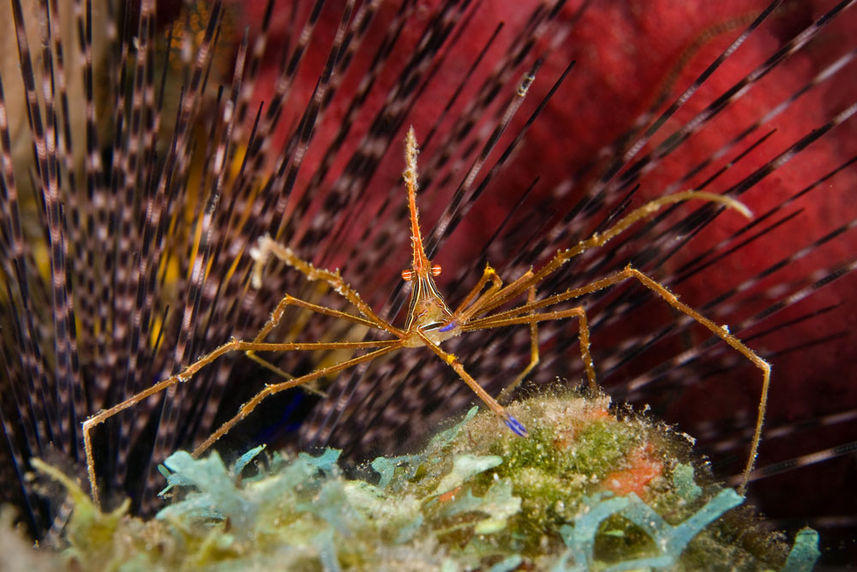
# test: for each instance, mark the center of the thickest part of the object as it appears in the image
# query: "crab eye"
(436, 269)
(407, 275)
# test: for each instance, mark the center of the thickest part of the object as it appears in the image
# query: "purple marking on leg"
(516, 426)
(448, 327)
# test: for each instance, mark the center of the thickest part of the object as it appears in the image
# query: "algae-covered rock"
(586, 490)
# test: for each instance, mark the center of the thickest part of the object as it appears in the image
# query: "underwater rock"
(588, 489)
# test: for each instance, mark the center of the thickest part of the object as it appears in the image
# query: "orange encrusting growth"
(643, 468)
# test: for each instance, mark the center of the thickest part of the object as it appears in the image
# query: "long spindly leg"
(467, 305)
(280, 372)
(489, 401)
(647, 210)
(231, 346)
(532, 319)
(493, 298)
(570, 294)
(276, 316)
(509, 292)
(390, 345)
(724, 334)
(267, 247)
(534, 353)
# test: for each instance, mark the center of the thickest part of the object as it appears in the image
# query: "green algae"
(586, 490)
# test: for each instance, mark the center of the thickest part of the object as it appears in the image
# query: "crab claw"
(516, 426)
